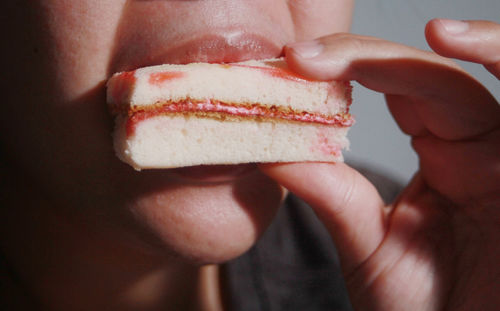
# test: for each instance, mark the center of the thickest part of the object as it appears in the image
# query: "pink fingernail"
(308, 49)
(454, 27)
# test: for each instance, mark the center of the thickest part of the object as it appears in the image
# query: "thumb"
(347, 204)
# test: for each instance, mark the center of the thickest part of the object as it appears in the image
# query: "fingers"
(474, 41)
(348, 205)
(448, 102)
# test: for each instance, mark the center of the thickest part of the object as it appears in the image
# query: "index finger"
(451, 104)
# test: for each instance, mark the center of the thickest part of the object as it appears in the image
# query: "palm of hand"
(436, 256)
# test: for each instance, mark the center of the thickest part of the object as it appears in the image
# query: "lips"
(221, 47)
(179, 32)
(228, 48)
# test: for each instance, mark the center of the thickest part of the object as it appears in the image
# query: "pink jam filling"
(343, 120)
(158, 78)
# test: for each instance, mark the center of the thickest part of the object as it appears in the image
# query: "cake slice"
(256, 111)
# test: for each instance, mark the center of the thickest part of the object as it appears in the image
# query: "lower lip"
(213, 173)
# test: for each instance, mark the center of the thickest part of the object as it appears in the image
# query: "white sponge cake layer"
(257, 111)
(177, 140)
(268, 83)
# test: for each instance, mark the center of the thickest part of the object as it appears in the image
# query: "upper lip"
(220, 47)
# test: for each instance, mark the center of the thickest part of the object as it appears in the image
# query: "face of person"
(56, 131)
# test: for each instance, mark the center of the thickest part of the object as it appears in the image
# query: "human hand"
(438, 246)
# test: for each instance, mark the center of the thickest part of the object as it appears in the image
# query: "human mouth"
(218, 47)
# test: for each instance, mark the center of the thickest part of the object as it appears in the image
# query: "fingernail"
(307, 49)
(454, 27)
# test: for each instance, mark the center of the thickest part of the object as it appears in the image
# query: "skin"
(80, 229)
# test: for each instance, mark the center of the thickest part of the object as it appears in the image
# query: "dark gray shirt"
(294, 266)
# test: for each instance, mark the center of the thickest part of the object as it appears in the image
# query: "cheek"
(79, 39)
(209, 224)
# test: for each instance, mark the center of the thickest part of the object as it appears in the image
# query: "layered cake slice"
(256, 111)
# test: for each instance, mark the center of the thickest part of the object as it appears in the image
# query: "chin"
(208, 222)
